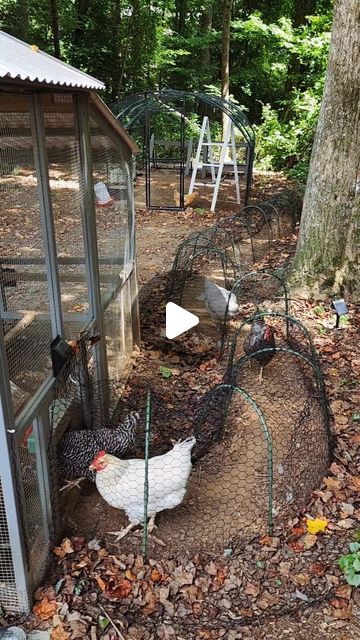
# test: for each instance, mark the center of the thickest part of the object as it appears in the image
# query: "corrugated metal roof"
(21, 61)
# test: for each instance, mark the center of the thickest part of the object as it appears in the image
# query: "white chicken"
(121, 483)
(220, 301)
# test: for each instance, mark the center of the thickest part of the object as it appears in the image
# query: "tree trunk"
(225, 55)
(180, 12)
(328, 252)
(82, 7)
(55, 27)
(302, 9)
(22, 15)
(205, 29)
(116, 69)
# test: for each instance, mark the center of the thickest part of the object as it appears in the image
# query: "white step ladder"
(205, 143)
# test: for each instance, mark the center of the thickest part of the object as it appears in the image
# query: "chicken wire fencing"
(66, 263)
(242, 464)
(232, 464)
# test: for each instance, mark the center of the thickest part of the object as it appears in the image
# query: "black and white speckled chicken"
(77, 449)
(261, 337)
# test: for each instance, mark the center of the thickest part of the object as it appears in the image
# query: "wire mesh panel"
(24, 298)
(34, 501)
(54, 280)
(112, 175)
(8, 589)
(67, 200)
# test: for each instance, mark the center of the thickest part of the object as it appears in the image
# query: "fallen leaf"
(59, 634)
(45, 609)
(284, 569)
(318, 525)
(219, 579)
(94, 545)
(309, 540)
(151, 604)
(297, 545)
(65, 548)
(298, 531)
(299, 595)
(331, 483)
(130, 575)
(267, 600)
(318, 569)
(165, 372)
(252, 589)
(346, 509)
(354, 483)
(155, 575)
(119, 589)
(338, 603)
(347, 523)
(344, 591)
(270, 541)
(340, 608)
(197, 609)
(101, 583)
(301, 579)
(341, 614)
(324, 495)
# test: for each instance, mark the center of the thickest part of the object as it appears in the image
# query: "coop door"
(165, 163)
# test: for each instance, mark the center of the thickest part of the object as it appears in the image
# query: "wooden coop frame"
(35, 91)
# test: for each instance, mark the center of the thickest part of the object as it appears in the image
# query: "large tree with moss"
(328, 253)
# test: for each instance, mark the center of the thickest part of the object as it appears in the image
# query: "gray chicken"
(77, 449)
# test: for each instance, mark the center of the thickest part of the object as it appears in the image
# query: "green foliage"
(278, 58)
(350, 564)
(286, 133)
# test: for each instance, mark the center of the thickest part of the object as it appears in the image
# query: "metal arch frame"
(218, 254)
(266, 221)
(269, 445)
(268, 439)
(132, 107)
(271, 314)
(237, 216)
(188, 241)
(236, 288)
(313, 364)
(192, 241)
(269, 204)
(205, 233)
(130, 110)
(148, 159)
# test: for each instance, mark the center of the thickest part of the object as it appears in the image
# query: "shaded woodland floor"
(275, 587)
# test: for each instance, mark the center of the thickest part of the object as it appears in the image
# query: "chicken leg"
(151, 524)
(123, 532)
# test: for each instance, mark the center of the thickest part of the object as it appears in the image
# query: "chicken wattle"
(121, 482)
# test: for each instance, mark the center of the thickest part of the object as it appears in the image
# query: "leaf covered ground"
(288, 585)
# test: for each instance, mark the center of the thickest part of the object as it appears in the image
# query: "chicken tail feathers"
(186, 445)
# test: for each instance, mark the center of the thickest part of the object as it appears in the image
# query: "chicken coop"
(67, 265)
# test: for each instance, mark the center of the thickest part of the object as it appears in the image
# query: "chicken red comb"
(100, 455)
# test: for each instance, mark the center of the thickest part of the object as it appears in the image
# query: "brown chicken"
(189, 199)
(261, 337)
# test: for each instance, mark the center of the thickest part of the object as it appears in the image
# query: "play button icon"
(178, 320)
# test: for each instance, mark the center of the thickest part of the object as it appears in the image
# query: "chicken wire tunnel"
(67, 264)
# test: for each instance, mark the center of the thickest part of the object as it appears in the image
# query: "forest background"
(277, 56)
